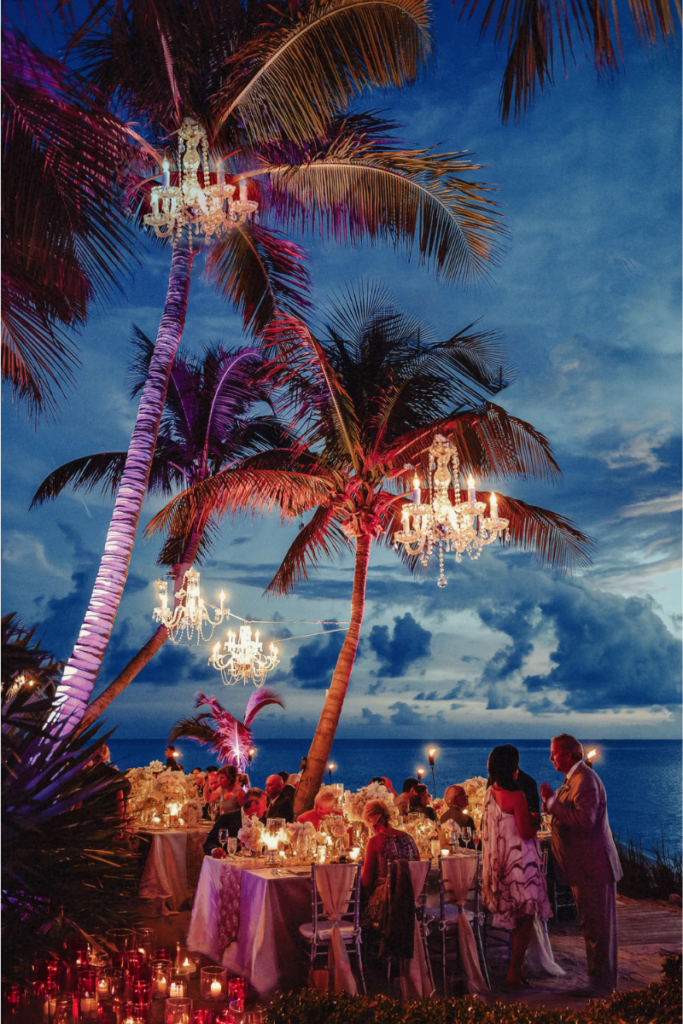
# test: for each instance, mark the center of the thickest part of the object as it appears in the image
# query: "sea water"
(642, 777)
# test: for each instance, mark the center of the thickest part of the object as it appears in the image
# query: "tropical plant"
(532, 31)
(372, 392)
(273, 95)
(64, 235)
(208, 424)
(66, 867)
(229, 738)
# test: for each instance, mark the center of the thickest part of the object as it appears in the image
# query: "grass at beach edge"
(659, 1003)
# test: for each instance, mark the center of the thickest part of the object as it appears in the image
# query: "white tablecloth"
(164, 880)
(271, 909)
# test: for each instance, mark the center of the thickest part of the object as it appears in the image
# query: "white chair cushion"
(325, 930)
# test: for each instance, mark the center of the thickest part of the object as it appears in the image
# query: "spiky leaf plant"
(66, 865)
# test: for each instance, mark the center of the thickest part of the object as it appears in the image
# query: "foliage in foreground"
(658, 1004)
(648, 878)
(66, 867)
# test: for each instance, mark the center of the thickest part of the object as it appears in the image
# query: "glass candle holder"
(161, 973)
(165, 953)
(122, 939)
(213, 983)
(141, 992)
(13, 998)
(203, 1017)
(134, 963)
(184, 962)
(145, 940)
(49, 1008)
(238, 988)
(64, 1014)
(177, 1011)
(77, 953)
(178, 986)
(245, 1014)
(86, 994)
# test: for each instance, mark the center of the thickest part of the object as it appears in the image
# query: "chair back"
(351, 911)
(446, 893)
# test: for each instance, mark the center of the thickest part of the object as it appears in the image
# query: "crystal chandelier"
(205, 209)
(242, 658)
(453, 525)
(190, 615)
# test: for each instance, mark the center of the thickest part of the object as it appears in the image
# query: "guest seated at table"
(420, 802)
(231, 793)
(280, 798)
(403, 801)
(210, 784)
(255, 805)
(325, 803)
(456, 802)
(386, 782)
(387, 844)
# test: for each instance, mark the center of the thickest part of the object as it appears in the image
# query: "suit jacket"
(283, 805)
(582, 842)
(456, 814)
(233, 823)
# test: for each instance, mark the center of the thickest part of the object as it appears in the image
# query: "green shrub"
(653, 878)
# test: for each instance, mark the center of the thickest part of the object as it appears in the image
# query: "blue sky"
(588, 299)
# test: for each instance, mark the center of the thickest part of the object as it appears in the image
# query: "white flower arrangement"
(354, 803)
(439, 806)
(155, 766)
(251, 837)
(475, 789)
(452, 826)
(153, 787)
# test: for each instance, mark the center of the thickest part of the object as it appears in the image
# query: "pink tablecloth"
(271, 908)
(170, 872)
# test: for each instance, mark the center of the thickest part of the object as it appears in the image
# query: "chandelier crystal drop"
(207, 209)
(189, 617)
(242, 658)
(451, 525)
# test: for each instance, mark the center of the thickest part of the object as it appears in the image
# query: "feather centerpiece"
(228, 737)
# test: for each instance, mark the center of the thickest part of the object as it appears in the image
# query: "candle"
(416, 490)
(216, 989)
(162, 985)
(494, 507)
(471, 490)
(177, 990)
(165, 176)
(444, 853)
(89, 1005)
(102, 985)
(354, 852)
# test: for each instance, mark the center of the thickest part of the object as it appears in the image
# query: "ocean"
(642, 777)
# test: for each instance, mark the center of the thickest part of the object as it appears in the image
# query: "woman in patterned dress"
(387, 844)
(513, 882)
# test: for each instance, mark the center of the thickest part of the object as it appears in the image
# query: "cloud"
(637, 451)
(405, 717)
(655, 507)
(313, 664)
(369, 718)
(409, 643)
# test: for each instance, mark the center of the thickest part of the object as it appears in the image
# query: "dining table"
(172, 866)
(246, 916)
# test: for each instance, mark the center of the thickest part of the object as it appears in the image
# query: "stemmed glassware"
(232, 846)
(476, 836)
(223, 836)
(467, 835)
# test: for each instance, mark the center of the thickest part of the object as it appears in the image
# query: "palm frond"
(194, 727)
(553, 538)
(416, 199)
(295, 79)
(258, 269)
(321, 537)
(232, 738)
(259, 700)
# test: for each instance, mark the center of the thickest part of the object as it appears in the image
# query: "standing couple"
(514, 885)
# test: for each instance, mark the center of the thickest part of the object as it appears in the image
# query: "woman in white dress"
(513, 883)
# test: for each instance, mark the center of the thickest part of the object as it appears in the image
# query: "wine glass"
(476, 836)
(232, 846)
(223, 836)
(467, 834)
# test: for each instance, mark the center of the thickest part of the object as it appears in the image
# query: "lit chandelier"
(205, 209)
(452, 525)
(242, 658)
(190, 615)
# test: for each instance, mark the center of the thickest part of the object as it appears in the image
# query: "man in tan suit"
(585, 856)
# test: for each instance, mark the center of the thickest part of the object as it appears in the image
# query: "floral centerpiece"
(251, 836)
(476, 792)
(354, 803)
(154, 789)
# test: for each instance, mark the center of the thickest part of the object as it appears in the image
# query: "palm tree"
(532, 29)
(373, 395)
(208, 425)
(273, 96)
(64, 237)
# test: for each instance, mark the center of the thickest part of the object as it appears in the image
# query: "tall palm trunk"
(147, 652)
(323, 739)
(85, 661)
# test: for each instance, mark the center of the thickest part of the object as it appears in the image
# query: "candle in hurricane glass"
(213, 982)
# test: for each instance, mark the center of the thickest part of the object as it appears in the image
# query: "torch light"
(420, 772)
(431, 754)
(591, 756)
(330, 768)
(250, 754)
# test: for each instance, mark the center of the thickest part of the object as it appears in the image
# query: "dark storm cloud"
(368, 718)
(313, 664)
(405, 717)
(409, 642)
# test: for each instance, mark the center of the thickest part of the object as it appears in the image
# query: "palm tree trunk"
(85, 661)
(323, 739)
(147, 652)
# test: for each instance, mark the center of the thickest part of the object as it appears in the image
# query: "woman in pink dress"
(387, 844)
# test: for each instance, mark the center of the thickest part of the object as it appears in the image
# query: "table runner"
(458, 873)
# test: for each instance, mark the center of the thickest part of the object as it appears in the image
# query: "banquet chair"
(446, 915)
(318, 931)
(420, 914)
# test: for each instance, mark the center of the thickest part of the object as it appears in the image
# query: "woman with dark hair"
(513, 883)
(420, 802)
(231, 792)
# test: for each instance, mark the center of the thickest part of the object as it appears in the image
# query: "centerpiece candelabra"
(450, 524)
(190, 615)
(203, 207)
(242, 658)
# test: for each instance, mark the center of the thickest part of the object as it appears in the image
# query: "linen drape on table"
(458, 874)
(334, 882)
(164, 879)
(414, 977)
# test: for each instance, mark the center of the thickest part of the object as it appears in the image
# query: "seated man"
(280, 798)
(403, 801)
(456, 801)
(254, 806)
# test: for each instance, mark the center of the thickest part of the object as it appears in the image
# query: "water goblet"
(223, 836)
(232, 846)
(476, 836)
(467, 835)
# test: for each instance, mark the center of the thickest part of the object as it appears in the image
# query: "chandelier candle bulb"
(494, 507)
(165, 175)
(471, 491)
(416, 490)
